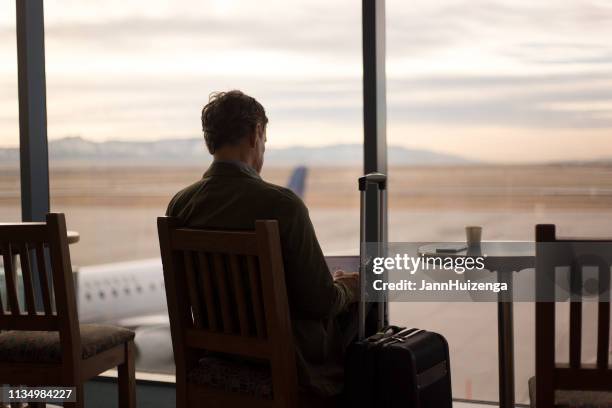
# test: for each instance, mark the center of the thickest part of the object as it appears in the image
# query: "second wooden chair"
(49, 347)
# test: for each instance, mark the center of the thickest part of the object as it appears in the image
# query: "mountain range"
(193, 151)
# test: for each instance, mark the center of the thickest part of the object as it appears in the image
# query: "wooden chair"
(575, 384)
(226, 294)
(49, 348)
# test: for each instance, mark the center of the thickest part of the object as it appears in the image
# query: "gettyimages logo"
(489, 272)
(412, 264)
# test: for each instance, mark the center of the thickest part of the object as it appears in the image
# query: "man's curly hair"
(230, 116)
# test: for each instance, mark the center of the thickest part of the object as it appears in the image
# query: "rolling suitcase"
(396, 366)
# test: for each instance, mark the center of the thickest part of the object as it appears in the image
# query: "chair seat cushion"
(575, 398)
(44, 347)
(231, 376)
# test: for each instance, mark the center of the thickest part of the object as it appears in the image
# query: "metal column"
(34, 159)
(374, 87)
(374, 120)
(374, 104)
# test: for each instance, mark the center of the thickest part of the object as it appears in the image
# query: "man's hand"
(350, 280)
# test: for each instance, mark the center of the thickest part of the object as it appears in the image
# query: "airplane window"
(126, 290)
(101, 295)
(139, 289)
(115, 293)
(88, 296)
(152, 286)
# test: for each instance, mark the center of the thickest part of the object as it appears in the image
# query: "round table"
(503, 258)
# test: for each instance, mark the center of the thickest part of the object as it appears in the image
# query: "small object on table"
(451, 248)
(473, 235)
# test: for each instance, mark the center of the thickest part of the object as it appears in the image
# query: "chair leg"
(127, 380)
(80, 398)
(181, 394)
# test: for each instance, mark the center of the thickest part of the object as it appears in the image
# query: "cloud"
(309, 27)
(118, 68)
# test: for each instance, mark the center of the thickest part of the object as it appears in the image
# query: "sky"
(495, 80)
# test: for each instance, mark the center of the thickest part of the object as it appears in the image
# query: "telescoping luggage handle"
(380, 181)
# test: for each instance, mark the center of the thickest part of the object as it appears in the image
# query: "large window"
(126, 83)
(10, 205)
(504, 109)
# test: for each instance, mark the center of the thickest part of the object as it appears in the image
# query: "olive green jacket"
(231, 195)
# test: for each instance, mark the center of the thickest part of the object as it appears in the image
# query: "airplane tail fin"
(297, 181)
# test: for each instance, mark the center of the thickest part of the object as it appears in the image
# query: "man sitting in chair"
(232, 195)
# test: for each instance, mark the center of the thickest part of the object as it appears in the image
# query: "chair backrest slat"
(256, 296)
(41, 262)
(10, 277)
(28, 282)
(239, 291)
(575, 327)
(1, 301)
(220, 274)
(603, 335)
(193, 289)
(207, 290)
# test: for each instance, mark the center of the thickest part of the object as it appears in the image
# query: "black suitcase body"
(398, 367)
